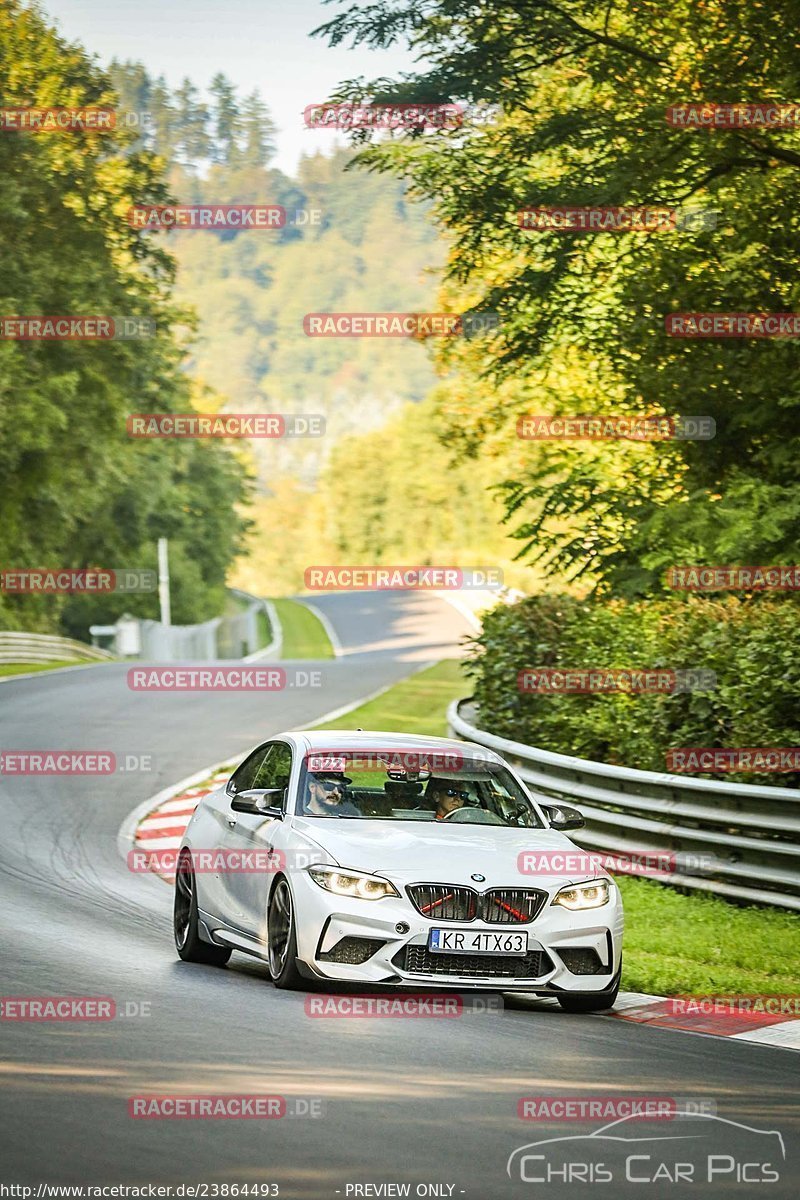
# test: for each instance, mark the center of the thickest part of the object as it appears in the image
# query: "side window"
(275, 768)
(243, 778)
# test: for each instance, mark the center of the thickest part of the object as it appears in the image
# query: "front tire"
(282, 938)
(585, 1002)
(188, 943)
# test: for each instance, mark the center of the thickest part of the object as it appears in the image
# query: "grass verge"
(415, 705)
(304, 634)
(29, 668)
(677, 943)
(264, 629)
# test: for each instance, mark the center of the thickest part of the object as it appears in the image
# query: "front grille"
(418, 960)
(501, 906)
(511, 906)
(352, 950)
(440, 902)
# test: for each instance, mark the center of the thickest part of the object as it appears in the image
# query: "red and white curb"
(163, 828)
(702, 1015)
(158, 826)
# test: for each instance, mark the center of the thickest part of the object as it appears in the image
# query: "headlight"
(579, 896)
(351, 883)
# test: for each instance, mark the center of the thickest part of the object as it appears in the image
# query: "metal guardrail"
(18, 647)
(233, 636)
(256, 605)
(738, 840)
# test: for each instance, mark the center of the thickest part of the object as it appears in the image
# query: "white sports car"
(393, 860)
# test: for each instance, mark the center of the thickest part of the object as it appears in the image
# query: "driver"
(327, 796)
(446, 798)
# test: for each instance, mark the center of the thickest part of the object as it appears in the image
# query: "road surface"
(413, 1102)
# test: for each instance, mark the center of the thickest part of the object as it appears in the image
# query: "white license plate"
(460, 941)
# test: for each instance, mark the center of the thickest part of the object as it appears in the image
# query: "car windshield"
(440, 787)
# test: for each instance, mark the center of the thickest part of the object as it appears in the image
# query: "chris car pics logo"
(692, 1148)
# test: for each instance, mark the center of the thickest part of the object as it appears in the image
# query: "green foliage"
(393, 495)
(77, 491)
(185, 130)
(352, 242)
(584, 88)
(751, 646)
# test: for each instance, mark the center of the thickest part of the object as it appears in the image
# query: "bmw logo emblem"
(478, 878)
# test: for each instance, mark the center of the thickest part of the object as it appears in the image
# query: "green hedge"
(752, 646)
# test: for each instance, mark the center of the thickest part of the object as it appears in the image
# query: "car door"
(251, 837)
(212, 888)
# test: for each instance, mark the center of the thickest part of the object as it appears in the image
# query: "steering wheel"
(473, 815)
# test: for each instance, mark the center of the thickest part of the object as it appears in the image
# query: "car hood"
(444, 854)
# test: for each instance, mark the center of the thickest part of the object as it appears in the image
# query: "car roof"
(371, 739)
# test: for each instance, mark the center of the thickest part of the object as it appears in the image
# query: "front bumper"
(401, 959)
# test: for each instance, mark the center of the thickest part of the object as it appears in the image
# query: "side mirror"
(563, 816)
(259, 802)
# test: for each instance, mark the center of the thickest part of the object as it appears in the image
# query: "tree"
(585, 87)
(77, 490)
(258, 133)
(192, 121)
(227, 119)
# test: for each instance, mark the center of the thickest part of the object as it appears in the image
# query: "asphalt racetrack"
(427, 1103)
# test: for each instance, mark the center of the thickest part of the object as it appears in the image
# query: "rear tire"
(585, 1002)
(282, 938)
(188, 943)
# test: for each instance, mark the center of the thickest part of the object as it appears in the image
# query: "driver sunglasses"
(455, 792)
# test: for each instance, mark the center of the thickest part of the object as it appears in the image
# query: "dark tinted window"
(243, 777)
(275, 768)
